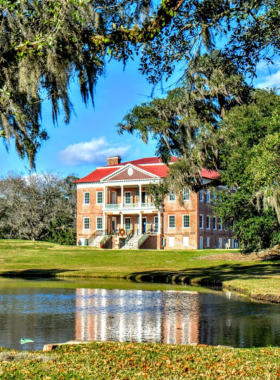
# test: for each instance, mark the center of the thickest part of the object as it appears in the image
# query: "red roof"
(159, 170)
(97, 175)
(210, 174)
(143, 163)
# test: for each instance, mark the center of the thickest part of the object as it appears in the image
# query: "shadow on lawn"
(214, 275)
(35, 273)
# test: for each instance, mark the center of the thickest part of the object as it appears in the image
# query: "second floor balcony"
(129, 206)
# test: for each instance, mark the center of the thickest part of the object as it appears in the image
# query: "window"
(200, 221)
(186, 195)
(214, 223)
(86, 223)
(208, 222)
(86, 241)
(186, 241)
(208, 242)
(127, 197)
(186, 221)
(171, 241)
(99, 223)
(200, 195)
(99, 197)
(127, 223)
(171, 221)
(220, 226)
(156, 223)
(172, 197)
(86, 198)
(208, 196)
(226, 226)
(214, 196)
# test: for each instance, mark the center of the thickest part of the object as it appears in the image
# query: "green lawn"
(128, 361)
(258, 279)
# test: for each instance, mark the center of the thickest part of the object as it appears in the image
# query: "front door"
(114, 224)
(144, 223)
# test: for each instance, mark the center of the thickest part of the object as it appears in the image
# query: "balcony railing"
(117, 206)
(131, 205)
(113, 206)
(149, 204)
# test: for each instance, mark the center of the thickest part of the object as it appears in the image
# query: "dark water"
(51, 315)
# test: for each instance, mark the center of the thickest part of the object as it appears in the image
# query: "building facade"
(114, 210)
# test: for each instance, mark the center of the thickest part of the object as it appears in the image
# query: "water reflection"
(137, 316)
(58, 315)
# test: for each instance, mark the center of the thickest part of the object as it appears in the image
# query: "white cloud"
(272, 80)
(95, 152)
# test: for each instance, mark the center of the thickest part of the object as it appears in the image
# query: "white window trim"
(186, 192)
(99, 203)
(101, 217)
(201, 228)
(169, 221)
(86, 217)
(127, 217)
(127, 192)
(214, 217)
(201, 192)
(183, 226)
(208, 228)
(171, 200)
(86, 192)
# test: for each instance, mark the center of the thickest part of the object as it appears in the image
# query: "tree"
(249, 148)
(219, 122)
(186, 122)
(38, 207)
(47, 43)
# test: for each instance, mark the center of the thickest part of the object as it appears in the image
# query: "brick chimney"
(114, 160)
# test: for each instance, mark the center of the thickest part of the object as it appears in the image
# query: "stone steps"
(96, 242)
(133, 242)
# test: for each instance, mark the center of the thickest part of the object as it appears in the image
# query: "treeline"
(38, 207)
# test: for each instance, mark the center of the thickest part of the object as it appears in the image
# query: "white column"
(121, 215)
(159, 223)
(140, 223)
(121, 196)
(105, 196)
(104, 222)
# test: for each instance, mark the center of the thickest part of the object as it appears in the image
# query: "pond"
(59, 311)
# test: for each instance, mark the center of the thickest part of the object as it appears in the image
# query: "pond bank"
(141, 360)
(259, 280)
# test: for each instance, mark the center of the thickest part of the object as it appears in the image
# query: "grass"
(128, 361)
(258, 279)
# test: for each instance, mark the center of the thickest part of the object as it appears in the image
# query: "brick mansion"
(114, 210)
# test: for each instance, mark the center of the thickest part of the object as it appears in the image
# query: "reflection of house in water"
(137, 316)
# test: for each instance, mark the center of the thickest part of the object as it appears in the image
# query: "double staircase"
(135, 242)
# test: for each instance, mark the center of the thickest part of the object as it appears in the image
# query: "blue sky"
(92, 135)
